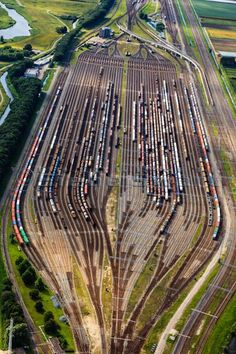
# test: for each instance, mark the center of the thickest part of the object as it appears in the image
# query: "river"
(9, 94)
(20, 29)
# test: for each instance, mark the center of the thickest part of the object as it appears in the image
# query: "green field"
(151, 7)
(44, 17)
(211, 9)
(5, 20)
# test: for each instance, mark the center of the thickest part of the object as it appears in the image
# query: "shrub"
(29, 276)
(34, 294)
(51, 327)
(19, 260)
(39, 284)
(48, 316)
(39, 306)
(23, 266)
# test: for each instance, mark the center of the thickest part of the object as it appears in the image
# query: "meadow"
(5, 20)
(44, 16)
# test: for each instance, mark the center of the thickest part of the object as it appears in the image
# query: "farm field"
(231, 73)
(220, 23)
(217, 10)
(223, 38)
(46, 14)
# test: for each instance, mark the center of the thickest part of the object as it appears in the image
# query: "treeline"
(10, 54)
(228, 62)
(11, 309)
(64, 44)
(89, 20)
(12, 130)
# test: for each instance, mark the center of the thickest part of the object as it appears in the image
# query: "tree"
(28, 47)
(48, 316)
(39, 284)
(19, 260)
(63, 342)
(51, 327)
(34, 294)
(29, 276)
(7, 307)
(39, 306)
(61, 30)
(7, 287)
(7, 281)
(7, 295)
(2, 39)
(22, 266)
(20, 335)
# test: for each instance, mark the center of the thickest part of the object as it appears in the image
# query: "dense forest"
(12, 130)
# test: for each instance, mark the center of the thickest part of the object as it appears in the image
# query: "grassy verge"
(2, 276)
(198, 232)
(107, 292)
(215, 130)
(82, 293)
(229, 173)
(221, 335)
(165, 318)
(150, 8)
(49, 75)
(124, 47)
(143, 281)
(38, 318)
(4, 100)
(188, 31)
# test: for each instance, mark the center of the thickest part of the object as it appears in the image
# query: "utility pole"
(10, 337)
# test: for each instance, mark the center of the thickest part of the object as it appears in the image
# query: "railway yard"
(149, 117)
(128, 133)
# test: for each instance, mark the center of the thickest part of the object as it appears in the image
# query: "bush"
(20, 335)
(51, 327)
(48, 316)
(19, 260)
(7, 281)
(7, 288)
(39, 306)
(61, 30)
(34, 294)
(23, 266)
(39, 284)
(63, 342)
(7, 295)
(29, 276)
(28, 47)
